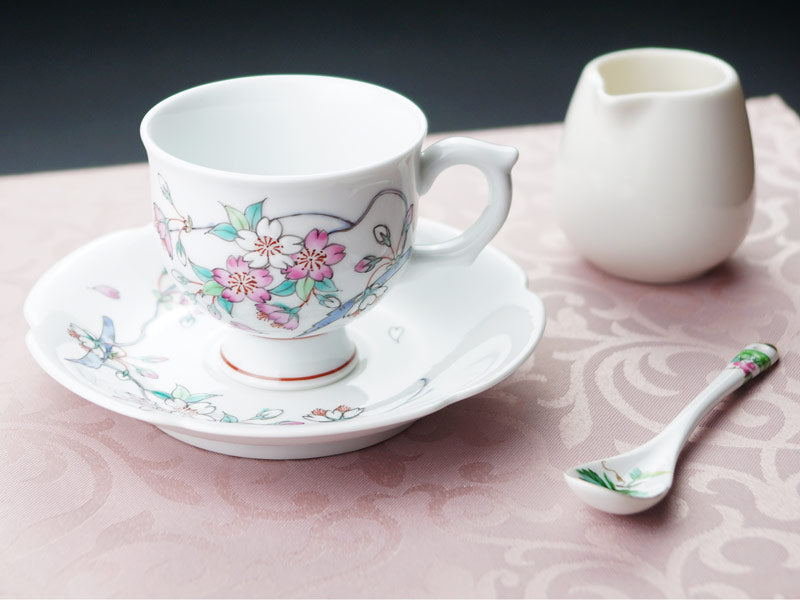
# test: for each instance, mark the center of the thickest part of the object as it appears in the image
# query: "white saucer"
(107, 323)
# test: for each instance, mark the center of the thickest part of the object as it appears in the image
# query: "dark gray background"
(77, 79)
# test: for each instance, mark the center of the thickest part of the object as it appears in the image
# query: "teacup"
(286, 206)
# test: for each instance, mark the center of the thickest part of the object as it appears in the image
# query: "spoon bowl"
(612, 501)
(640, 478)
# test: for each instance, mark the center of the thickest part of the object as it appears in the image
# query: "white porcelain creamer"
(655, 170)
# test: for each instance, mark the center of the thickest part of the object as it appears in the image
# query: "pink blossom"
(278, 316)
(747, 366)
(239, 280)
(162, 227)
(409, 216)
(365, 264)
(315, 258)
(340, 413)
(107, 290)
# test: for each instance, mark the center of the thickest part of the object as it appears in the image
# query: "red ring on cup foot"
(292, 364)
(335, 371)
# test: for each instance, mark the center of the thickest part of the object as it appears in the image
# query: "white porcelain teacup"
(286, 206)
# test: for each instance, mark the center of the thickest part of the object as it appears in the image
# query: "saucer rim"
(264, 434)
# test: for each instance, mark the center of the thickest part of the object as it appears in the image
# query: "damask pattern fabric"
(468, 502)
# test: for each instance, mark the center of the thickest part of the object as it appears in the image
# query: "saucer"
(129, 341)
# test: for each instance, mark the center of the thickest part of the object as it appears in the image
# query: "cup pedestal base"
(294, 364)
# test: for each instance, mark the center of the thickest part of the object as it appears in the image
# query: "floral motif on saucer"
(131, 342)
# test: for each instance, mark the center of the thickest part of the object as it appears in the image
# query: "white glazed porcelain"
(286, 205)
(655, 169)
(640, 478)
(128, 340)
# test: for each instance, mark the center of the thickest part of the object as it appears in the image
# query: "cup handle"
(495, 162)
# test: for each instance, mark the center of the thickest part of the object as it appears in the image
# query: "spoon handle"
(751, 361)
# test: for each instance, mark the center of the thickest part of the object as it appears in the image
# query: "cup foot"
(295, 364)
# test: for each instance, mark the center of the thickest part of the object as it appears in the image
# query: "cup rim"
(152, 147)
(729, 80)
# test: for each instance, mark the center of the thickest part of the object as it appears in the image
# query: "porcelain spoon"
(636, 480)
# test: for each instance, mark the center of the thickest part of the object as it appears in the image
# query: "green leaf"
(266, 413)
(228, 418)
(592, 477)
(226, 304)
(203, 273)
(212, 288)
(649, 474)
(180, 392)
(198, 397)
(178, 276)
(237, 219)
(162, 395)
(304, 288)
(162, 183)
(756, 356)
(253, 214)
(635, 474)
(181, 252)
(326, 285)
(609, 482)
(284, 289)
(329, 300)
(153, 359)
(225, 231)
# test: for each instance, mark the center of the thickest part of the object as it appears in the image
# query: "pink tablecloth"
(467, 502)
